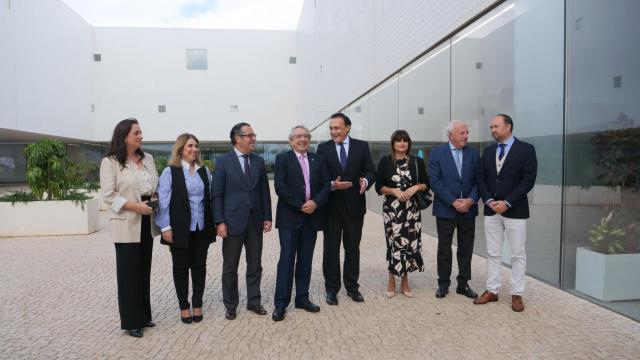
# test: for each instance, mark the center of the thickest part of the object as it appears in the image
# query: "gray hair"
(453, 124)
(293, 129)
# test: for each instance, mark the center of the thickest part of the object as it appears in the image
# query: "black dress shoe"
(308, 306)
(278, 314)
(135, 333)
(332, 298)
(230, 314)
(186, 320)
(258, 309)
(356, 296)
(466, 291)
(149, 324)
(197, 318)
(442, 292)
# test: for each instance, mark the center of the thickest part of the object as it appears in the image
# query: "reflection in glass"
(511, 61)
(602, 195)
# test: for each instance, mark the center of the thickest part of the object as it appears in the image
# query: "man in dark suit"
(507, 173)
(452, 174)
(303, 185)
(242, 212)
(351, 169)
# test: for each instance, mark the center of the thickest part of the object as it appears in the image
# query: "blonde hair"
(176, 152)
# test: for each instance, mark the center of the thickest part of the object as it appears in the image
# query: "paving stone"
(58, 300)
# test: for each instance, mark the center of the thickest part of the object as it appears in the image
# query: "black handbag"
(423, 198)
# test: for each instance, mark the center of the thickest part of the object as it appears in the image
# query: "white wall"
(45, 69)
(142, 68)
(346, 47)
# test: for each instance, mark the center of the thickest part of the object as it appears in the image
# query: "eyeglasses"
(302, 136)
(253, 136)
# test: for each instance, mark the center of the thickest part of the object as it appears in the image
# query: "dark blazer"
(516, 179)
(180, 211)
(386, 170)
(359, 164)
(290, 187)
(448, 186)
(233, 196)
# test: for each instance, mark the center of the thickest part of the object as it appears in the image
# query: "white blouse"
(144, 177)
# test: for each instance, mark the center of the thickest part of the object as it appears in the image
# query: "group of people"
(323, 191)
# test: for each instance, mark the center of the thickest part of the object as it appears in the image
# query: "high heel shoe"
(407, 293)
(389, 294)
(197, 318)
(186, 319)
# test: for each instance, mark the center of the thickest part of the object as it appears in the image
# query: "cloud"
(210, 14)
(197, 8)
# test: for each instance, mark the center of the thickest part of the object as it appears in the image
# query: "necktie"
(305, 173)
(247, 167)
(501, 154)
(343, 157)
(458, 161)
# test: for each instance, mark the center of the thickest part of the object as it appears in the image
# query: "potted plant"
(58, 203)
(608, 269)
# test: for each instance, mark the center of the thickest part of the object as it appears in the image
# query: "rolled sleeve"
(164, 196)
(117, 204)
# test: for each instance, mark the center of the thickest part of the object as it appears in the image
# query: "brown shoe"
(516, 303)
(486, 297)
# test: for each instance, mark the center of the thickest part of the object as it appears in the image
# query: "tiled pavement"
(58, 301)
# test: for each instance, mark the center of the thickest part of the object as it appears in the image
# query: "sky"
(209, 14)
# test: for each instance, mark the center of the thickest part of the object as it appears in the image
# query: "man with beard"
(508, 171)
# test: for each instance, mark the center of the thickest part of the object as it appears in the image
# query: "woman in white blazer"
(128, 180)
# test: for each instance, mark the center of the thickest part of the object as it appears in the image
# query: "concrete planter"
(607, 277)
(56, 217)
(97, 194)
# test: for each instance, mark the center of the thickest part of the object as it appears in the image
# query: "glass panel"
(13, 163)
(383, 111)
(602, 195)
(511, 61)
(196, 59)
(425, 108)
(359, 115)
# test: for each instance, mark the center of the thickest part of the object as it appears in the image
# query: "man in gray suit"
(242, 212)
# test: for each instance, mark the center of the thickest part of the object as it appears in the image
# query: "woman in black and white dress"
(397, 179)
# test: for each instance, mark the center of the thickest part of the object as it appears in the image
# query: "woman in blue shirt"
(185, 219)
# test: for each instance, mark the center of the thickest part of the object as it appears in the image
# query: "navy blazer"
(359, 164)
(233, 195)
(516, 179)
(290, 187)
(448, 185)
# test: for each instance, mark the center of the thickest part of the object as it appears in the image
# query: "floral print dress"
(402, 226)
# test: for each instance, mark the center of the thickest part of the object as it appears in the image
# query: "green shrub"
(19, 197)
(52, 176)
(47, 165)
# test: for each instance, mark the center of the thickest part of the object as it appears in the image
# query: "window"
(196, 59)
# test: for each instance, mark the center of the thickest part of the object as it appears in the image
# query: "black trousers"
(133, 266)
(296, 258)
(466, 232)
(251, 238)
(193, 257)
(347, 229)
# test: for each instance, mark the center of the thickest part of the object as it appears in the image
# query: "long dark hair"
(118, 147)
(396, 137)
